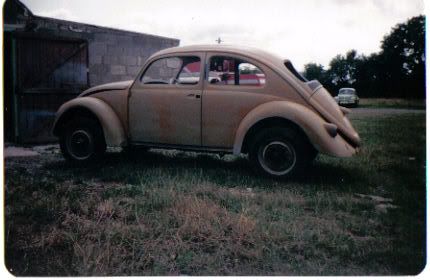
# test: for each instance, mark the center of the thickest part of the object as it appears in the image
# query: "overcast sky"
(303, 31)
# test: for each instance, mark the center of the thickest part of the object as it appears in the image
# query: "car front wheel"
(82, 140)
(281, 152)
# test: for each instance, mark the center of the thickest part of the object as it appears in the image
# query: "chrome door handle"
(193, 95)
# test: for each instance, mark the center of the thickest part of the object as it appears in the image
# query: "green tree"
(343, 69)
(315, 71)
(398, 70)
(403, 59)
(368, 75)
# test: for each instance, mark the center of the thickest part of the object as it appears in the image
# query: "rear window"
(293, 70)
(233, 71)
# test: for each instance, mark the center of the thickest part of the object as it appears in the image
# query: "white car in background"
(347, 96)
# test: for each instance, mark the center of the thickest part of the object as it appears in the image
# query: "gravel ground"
(382, 112)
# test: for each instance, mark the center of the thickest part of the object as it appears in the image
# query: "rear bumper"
(346, 102)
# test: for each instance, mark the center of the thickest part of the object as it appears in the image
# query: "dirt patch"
(19, 152)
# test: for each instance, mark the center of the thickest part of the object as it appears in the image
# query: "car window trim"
(211, 54)
(140, 77)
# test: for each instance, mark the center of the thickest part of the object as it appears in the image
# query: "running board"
(184, 147)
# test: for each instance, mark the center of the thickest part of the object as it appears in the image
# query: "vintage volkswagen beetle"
(211, 98)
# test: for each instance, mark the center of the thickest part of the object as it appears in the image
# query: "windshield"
(346, 91)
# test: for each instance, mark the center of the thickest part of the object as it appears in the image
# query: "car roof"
(242, 50)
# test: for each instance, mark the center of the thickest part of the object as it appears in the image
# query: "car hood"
(107, 87)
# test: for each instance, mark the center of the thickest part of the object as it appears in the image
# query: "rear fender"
(314, 126)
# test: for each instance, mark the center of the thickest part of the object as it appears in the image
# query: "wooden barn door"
(49, 72)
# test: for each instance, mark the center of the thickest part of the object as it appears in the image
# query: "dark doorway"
(41, 73)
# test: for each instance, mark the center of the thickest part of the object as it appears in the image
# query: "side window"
(250, 75)
(190, 72)
(232, 71)
(173, 70)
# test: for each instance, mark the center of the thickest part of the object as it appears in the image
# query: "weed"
(175, 213)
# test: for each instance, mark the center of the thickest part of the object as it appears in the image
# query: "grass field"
(393, 103)
(176, 213)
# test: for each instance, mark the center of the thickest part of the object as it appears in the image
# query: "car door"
(165, 102)
(234, 85)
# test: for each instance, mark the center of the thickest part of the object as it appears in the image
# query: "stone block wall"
(113, 55)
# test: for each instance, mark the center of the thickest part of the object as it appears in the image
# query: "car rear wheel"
(281, 152)
(82, 140)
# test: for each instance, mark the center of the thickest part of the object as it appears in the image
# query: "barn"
(48, 61)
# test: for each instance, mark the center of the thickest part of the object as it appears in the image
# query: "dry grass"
(176, 213)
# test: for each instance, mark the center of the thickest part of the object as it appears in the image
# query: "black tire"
(313, 153)
(281, 152)
(82, 140)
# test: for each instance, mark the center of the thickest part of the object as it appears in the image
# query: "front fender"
(311, 123)
(112, 127)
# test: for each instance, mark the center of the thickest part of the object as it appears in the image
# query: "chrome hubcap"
(277, 158)
(80, 144)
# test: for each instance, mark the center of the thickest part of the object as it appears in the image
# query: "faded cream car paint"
(166, 114)
(113, 129)
(169, 115)
(225, 106)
